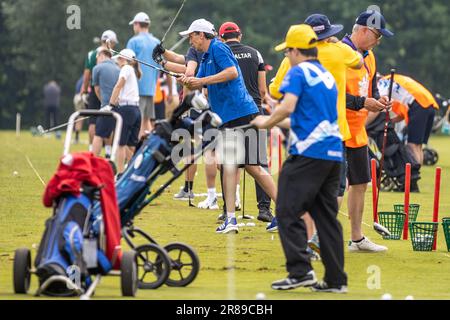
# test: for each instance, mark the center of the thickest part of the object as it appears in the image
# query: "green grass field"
(258, 255)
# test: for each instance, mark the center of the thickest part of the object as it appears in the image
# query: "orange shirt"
(359, 83)
(159, 93)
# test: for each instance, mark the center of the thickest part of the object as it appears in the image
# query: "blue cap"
(374, 19)
(322, 26)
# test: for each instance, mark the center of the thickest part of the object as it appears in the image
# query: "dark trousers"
(310, 185)
(51, 115)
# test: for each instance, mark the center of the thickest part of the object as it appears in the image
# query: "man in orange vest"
(420, 107)
(362, 97)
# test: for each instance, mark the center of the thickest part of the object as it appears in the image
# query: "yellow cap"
(300, 36)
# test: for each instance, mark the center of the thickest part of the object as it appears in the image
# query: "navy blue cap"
(322, 26)
(374, 19)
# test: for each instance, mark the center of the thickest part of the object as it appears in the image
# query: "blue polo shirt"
(230, 100)
(314, 127)
(143, 45)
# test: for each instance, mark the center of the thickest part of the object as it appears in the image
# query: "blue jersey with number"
(314, 127)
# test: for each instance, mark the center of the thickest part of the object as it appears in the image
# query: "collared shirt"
(105, 75)
(143, 45)
(230, 100)
(314, 128)
(251, 63)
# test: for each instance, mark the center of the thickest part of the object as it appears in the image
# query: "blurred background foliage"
(36, 46)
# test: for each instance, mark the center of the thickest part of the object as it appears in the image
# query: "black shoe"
(289, 283)
(324, 287)
(265, 215)
(222, 217)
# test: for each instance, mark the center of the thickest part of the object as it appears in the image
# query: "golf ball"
(260, 296)
(386, 296)
(15, 173)
(409, 298)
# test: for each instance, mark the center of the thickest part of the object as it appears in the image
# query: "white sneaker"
(209, 204)
(365, 246)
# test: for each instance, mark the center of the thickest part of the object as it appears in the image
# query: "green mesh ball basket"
(423, 235)
(394, 222)
(446, 225)
(413, 211)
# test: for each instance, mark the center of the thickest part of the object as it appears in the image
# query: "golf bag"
(395, 158)
(76, 243)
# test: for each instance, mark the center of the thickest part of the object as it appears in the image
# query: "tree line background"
(36, 46)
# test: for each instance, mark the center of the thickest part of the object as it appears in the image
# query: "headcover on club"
(381, 230)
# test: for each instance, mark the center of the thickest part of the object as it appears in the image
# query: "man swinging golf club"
(221, 75)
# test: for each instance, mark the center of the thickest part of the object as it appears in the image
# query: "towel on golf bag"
(84, 168)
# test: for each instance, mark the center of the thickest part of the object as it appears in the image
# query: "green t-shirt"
(91, 62)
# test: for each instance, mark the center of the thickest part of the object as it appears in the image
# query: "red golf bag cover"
(78, 169)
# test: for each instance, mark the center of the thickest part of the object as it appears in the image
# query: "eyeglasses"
(378, 35)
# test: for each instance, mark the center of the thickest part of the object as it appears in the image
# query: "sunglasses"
(378, 35)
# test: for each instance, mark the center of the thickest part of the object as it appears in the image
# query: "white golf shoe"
(365, 246)
(209, 204)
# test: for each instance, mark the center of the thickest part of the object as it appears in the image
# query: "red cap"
(229, 27)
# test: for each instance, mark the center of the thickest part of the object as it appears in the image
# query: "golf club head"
(216, 121)
(381, 230)
(199, 101)
(40, 130)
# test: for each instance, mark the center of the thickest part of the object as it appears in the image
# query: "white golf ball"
(15, 173)
(409, 298)
(386, 296)
(260, 296)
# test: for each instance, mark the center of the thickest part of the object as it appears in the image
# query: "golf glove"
(157, 53)
(107, 108)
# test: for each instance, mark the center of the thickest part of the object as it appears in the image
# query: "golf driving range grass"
(258, 256)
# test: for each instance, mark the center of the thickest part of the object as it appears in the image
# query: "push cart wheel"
(22, 271)
(185, 265)
(431, 157)
(128, 272)
(153, 265)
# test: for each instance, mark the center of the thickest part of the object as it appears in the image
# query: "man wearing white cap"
(91, 61)
(220, 73)
(143, 44)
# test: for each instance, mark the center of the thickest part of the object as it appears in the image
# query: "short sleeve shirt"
(230, 100)
(314, 128)
(143, 45)
(130, 92)
(251, 63)
(105, 75)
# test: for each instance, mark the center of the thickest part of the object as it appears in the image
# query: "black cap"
(374, 19)
(322, 26)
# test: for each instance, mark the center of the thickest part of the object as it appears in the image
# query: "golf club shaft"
(63, 125)
(178, 44)
(173, 22)
(173, 74)
(386, 125)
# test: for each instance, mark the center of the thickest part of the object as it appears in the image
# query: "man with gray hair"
(362, 97)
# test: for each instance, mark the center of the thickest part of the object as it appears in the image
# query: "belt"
(128, 103)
